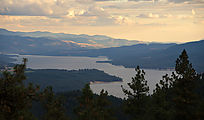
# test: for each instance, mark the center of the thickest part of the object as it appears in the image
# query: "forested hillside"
(153, 55)
(64, 80)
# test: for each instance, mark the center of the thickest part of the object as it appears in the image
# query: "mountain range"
(119, 51)
(82, 40)
(154, 55)
(151, 56)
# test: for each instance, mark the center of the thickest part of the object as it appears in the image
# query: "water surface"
(74, 63)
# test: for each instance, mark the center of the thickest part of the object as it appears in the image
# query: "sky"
(145, 20)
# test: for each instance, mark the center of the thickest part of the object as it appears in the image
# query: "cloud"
(140, 0)
(150, 15)
(168, 16)
(179, 1)
(85, 1)
(26, 7)
(174, 1)
(94, 13)
(90, 16)
(76, 12)
(113, 0)
(27, 21)
(121, 0)
(193, 11)
(187, 1)
(123, 20)
(184, 16)
(52, 8)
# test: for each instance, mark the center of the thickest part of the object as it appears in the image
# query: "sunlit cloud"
(123, 20)
(193, 12)
(149, 15)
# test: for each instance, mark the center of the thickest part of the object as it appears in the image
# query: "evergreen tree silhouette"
(184, 89)
(16, 98)
(92, 107)
(161, 106)
(85, 110)
(135, 104)
(53, 105)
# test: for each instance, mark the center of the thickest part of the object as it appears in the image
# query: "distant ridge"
(95, 41)
(154, 55)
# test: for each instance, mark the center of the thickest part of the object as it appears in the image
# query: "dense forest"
(176, 97)
(60, 79)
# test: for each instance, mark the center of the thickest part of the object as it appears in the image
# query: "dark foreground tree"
(102, 106)
(85, 110)
(161, 105)
(15, 97)
(135, 104)
(200, 91)
(184, 89)
(176, 97)
(53, 105)
(92, 107)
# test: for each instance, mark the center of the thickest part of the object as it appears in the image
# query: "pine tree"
(102, 105)
(53, 105)
(162, 99)
(184, 89)
(200, 91)
(135, 104)
(15, 98)
(94, 107)
(85, 110)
